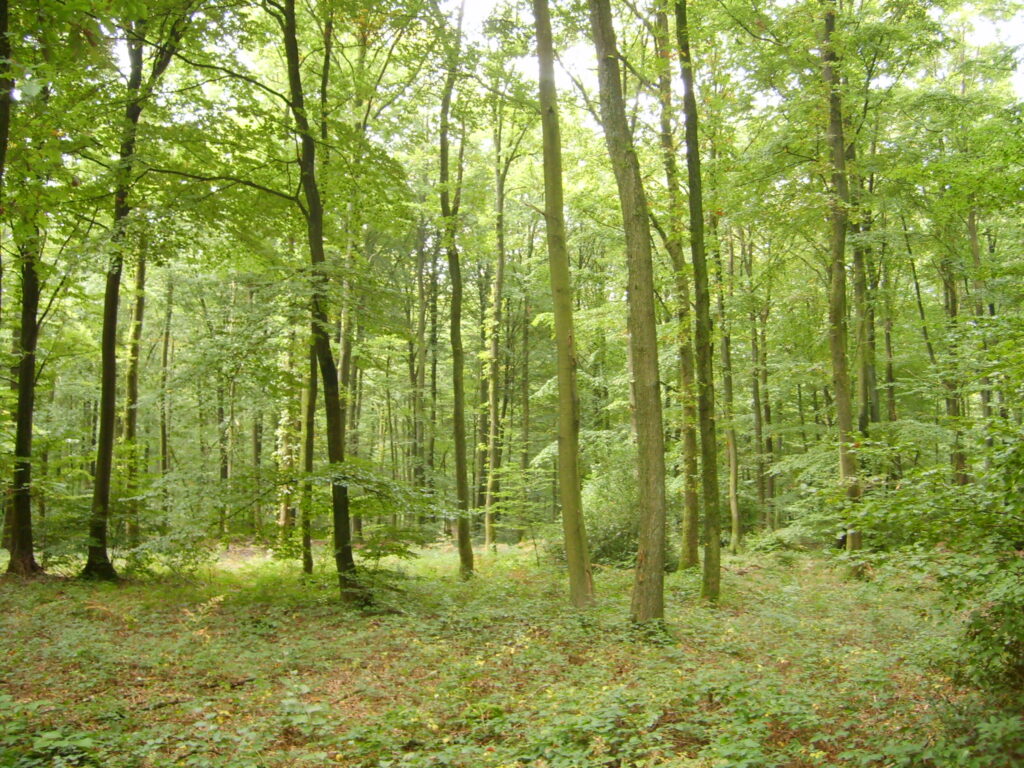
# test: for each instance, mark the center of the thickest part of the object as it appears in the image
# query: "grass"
(250, 665)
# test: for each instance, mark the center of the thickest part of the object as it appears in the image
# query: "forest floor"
(246, 664)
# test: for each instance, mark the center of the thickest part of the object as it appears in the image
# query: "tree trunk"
(307, 454)
(22, 561)
(837, 334)
(493, 326)
(704, 341)
(450, 202)
(131, 406)
(581, 584)
(98, 563)
(674, 246)
(165, 372)
(648, 589)
(333, 407)
(736, 523)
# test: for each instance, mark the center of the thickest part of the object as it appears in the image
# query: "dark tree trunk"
(704, 340)
(674, 244)
(22, 561)
(450, 203)
(333, 406)
(98, 563)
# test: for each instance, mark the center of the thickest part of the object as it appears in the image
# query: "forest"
(557, 383)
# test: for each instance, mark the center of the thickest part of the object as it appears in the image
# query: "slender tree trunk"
(648, 589)
(333, 406)
(222, 458)
(581, 584)
(704, 341)
(257, 472)
(98, 563)
(978, 287)
(917, 295)
(493, 326)
(732, 453)
(766, 400)
(22, 561)
(6, 94)
(450, 203)
(837, 335)
(756, 407)
(131, 408)
(165, 395)
(420, 368)
(674, 246)
(950, 382)
(307, 454)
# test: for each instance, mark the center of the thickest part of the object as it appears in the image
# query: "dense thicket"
(343, 181)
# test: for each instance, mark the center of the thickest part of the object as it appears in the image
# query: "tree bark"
(648, 589)
(581, 583)
(98, 564)
(22, 560)
(736, 522)
(131, 406)
(314, 213)
(837, 332)
(307, 455)
(450, 202)
(704, 341)
(684, 342)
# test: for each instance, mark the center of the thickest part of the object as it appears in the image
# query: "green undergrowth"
(251, 665)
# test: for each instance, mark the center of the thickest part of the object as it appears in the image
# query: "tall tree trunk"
(493, 325)
(314, 215)
(131, 406)
(950, 381)
(736, 522)
(450, 203)
(420, 368)
(837, 333)
(704, 340)
(978, 287)
(581, 583)
(648, 589)
(756, 406)
(766, 422)
(222, 456)
(307, 455)
(165, 373)
(257, 472)
(674, 246)
(98, 563)
(6, 95)
(22, 560)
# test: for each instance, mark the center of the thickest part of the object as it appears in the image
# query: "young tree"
(451, 201)
(581, 586)
(702, 295)
(140, 91)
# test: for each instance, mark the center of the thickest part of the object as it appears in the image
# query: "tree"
(704, 342)
(140, 91)
(450, 204)
(837, 335)
(648, 589)
(581, 585)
